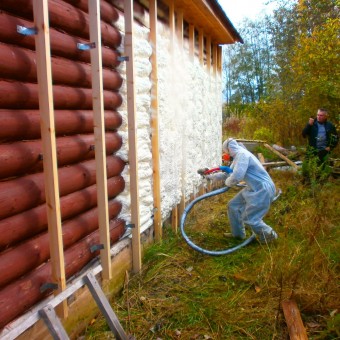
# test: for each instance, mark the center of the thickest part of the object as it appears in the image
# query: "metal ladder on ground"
(55, 327)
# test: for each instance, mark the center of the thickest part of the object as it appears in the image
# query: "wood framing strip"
(132, 131)
(179, 28)
(208, 51)
(172, 25)
(43, 57)
(214, 59)
(155, 122)
(191, 42)
(99, 135)
(219, 59)
(201, 46)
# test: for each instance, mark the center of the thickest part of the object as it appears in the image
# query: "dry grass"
(182, 294)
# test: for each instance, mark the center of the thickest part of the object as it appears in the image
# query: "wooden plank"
(281, 155)
(201, 46)
(132, 135)
(191, 42)
(155, 122)
(174, 219)
(99, 135)
(294, 322)
(172, 25)
(219, 59)
(43, 56)
(214, 59)
(208, 49)
(179, 28)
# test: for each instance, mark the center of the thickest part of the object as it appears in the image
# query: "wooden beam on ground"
(281, 156)
(208, 51)
(99, 136)
(155, 122)
(132, 135)
(191, 42)
(201, 46)
(44, 72)
(294, 322)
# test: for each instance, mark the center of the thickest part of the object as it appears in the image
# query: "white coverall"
(251, 204)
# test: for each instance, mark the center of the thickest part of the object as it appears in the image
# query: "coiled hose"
(199, 249)
(211, 252)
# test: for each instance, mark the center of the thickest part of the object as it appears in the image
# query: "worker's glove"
(202, 171)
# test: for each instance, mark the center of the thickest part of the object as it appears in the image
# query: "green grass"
(183, 294)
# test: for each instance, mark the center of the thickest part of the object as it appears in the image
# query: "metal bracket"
(96, 247)
(48, 285)
(86, 47)
(26, 30)
(123, 58)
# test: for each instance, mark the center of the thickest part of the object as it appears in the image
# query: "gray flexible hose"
(199, 249)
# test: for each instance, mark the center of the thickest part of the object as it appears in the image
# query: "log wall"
(24, 243)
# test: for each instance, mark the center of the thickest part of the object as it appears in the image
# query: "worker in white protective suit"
(251, 204)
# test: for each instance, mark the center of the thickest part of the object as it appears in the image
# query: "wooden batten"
(214, 59)
(132, 135)
(219, 59)
(179, 28)
(191, 42)
(172, 26)
(155, 123)
(208, 49)
(99, 133)
(201, 46)
(40, 9)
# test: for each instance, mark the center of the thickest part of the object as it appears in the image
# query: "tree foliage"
(287, 68)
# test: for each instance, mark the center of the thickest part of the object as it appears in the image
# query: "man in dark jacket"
(322, 135)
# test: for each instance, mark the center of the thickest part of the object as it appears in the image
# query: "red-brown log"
(15, 95)
(62, 44)
(24, 225)
(20, 64)
(65, 17)
(25, 124)
(26, 192)
(29, 255)
(107, 12)
(26, 156)
(19, 296)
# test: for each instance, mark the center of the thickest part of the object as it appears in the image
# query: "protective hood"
(231, 147)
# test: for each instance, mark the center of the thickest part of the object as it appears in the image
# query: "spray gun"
(206, 171)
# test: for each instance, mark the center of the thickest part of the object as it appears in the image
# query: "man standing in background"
(322, 135)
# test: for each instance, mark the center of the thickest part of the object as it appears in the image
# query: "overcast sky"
(237, 10)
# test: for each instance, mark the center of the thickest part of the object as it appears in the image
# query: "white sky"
(237, 10)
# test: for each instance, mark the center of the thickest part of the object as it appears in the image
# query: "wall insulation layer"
(190, 119)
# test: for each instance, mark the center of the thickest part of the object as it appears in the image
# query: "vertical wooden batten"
(201, 46)
(172, 26)
(132, 137)
(215, 59)
(155, 123)
(179, 28)
(99, 133)
(208, 49)
(219, 58)
(44, 73)
(191, 42)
